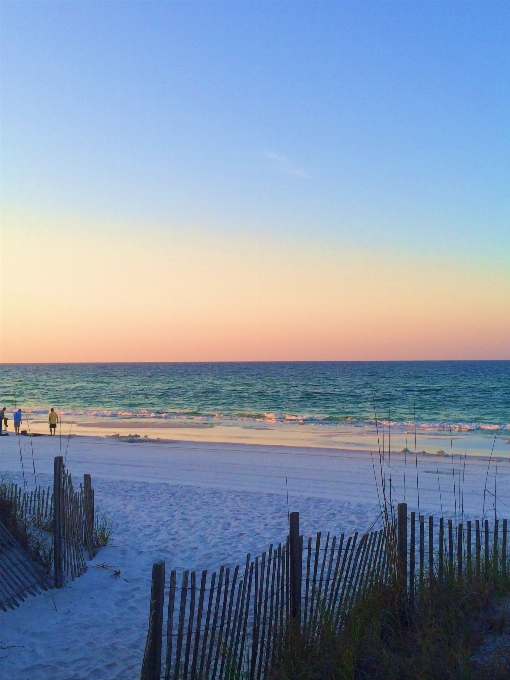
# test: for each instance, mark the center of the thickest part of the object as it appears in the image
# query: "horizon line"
(252, 361)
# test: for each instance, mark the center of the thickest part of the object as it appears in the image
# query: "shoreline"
(317, 436)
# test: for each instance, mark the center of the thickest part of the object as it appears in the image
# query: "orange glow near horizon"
(85, 293)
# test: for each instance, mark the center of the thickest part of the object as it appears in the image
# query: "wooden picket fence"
(428, 549)
(54, 526)
(19, 575)
(228, 624)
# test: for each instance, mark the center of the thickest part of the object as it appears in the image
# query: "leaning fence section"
(54, 527)
(229, 624)
(20, 576)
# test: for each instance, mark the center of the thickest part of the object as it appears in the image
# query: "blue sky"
(254, 180)
(381, 122)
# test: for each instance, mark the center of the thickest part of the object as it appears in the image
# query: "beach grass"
(455, 630)
(103, 531)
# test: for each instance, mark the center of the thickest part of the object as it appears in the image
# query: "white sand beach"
(197, 505)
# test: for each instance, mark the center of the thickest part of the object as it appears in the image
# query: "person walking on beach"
(2, 419)
(17, 420)
(53, 420)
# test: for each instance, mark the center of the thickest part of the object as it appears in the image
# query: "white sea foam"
(275, 417)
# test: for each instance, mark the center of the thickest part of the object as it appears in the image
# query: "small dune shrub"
(103, 531)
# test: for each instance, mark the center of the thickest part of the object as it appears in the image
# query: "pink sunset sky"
(109, 293)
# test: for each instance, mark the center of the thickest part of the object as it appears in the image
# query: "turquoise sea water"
(464, 395)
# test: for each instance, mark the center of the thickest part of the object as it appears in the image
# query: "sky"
(222, 181)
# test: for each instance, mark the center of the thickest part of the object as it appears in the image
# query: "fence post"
(503, 548)
(58, 520)
(296, 567)
(460, 531)
(402, 541)
(88, 502)
(152, 660)
(412, 558)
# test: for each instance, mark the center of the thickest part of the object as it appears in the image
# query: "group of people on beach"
(17, 420)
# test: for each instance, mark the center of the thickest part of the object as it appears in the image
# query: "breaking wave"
(278, 418)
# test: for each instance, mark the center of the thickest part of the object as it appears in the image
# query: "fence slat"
(431, 548)
(58, 520)
(203, 656)
(459, 549)
(503, 548)
(191, 616)
(368, 565)
(296, 567)
(255, 624)
(336, 574)
(495, 546)
(321, 580)
(328, 575)
(283, 591)
(346, 581)
(270, 624)
(441, 548)
(469, 563)
(422, 550)
(450, 548)
(486, 545)
(313, 599)
(152, 670)
(265, 632)
(341, 578)
(356, 571)
(88, 506)
(170, 624)
(412, 557)
(258, 637)
(219, 636)
(182, 618)
(402, 540)
(245, 618)
(307, 582)
(229, 636)
(478, 548)
(213, 637)
(379, 559)
(200, 609)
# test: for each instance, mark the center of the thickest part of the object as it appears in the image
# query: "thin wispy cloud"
(284, 165)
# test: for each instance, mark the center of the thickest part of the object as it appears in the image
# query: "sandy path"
(197, 506)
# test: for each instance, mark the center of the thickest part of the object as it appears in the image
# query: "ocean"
(429, 395)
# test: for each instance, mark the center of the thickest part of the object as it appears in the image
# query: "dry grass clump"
(103, 531)
(384, 638)
(32, 533)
